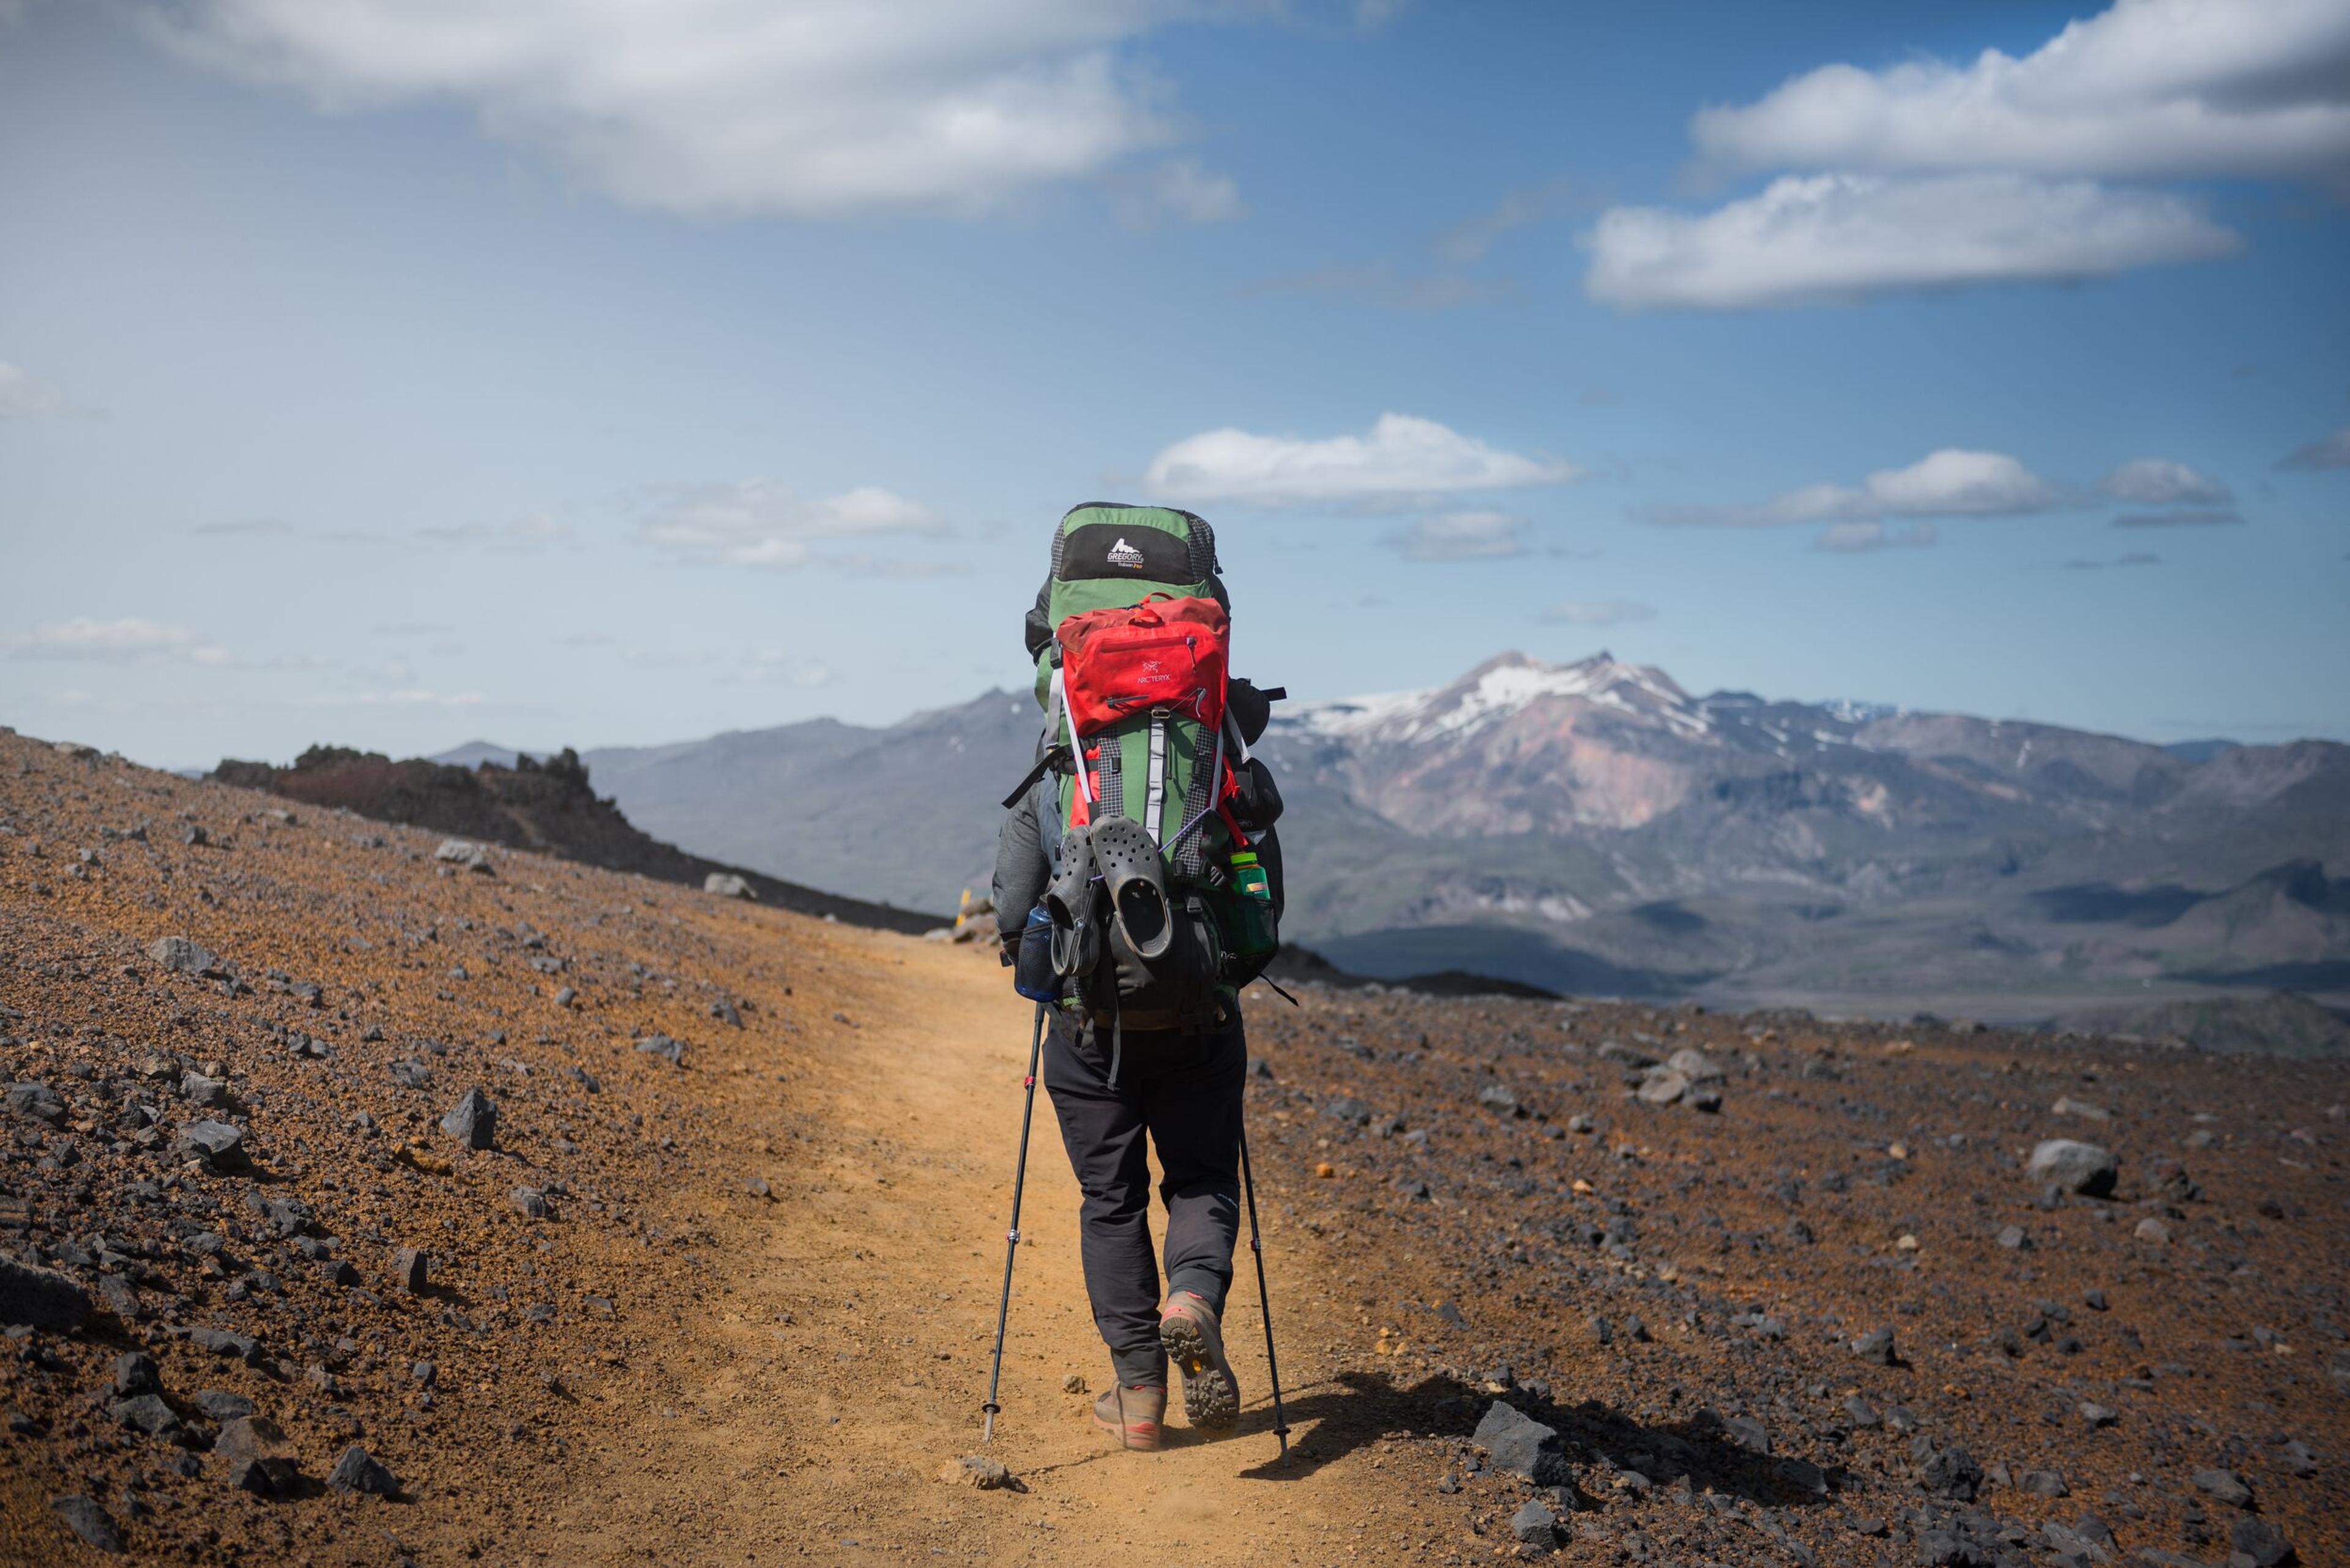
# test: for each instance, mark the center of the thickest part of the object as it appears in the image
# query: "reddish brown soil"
(670, 1367)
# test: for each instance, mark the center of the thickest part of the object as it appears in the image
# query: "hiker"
(1139, 885)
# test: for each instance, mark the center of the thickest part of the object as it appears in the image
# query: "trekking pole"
(1012, 1237)
(1264, 1300)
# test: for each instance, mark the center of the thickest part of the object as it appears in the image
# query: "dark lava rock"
(224, 1343)
(220, 1145)
(529, 1202)
(1521, 1445)
(222, 1404)
(1537, 1526)
(135, 1373)
(2044, 1483)
(358, 1471)
(1876, 1345)
(1353, 1113)
(2296, 1457)
(1498, 1098)
(1748, 1433)
(474, 1122)
(41, 1297)
(2087, 1168)
(147, 1412)
(407, 1266)
(85, 1519)
(2262, 1542)
(2223, 1485)
(36, 1100)
(1945, 1472)
(667, 1050)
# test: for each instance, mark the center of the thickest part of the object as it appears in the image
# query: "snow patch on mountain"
(1497, 690)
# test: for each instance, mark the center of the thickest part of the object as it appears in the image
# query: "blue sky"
(585, 376)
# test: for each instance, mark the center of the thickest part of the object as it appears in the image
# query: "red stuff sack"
(1165, 655)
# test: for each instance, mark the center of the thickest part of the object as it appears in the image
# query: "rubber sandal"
(1069, 904)
(1136, 879)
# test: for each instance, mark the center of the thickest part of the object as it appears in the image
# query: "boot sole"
(1212, 1399)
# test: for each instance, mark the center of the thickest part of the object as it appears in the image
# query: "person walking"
(1137, 1056)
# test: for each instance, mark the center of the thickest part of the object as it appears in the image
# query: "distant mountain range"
(1593, 828)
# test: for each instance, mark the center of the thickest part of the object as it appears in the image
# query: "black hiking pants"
(1184, 1091)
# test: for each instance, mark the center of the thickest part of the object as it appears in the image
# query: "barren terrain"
(721, 1286)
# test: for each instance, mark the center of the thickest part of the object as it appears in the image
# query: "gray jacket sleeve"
(1022, 867)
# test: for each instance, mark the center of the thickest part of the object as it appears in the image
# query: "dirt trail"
(852, 1362)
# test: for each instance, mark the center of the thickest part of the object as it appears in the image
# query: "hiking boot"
(1133, 1413)
(1195, 1343)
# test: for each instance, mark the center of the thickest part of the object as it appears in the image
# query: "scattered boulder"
(1876, 1346)
(145, 1412)
(219, 1144)
(1662, 1086)
(182, 956)
(2152, 1229)
(2261, 1541)
(1497, 1097)
(2087, 1169)
(135, 1373)
(978, 1471)
(83, 1516)
(41, 1297)
(465, 854)
(662, 1045)
(1695, 1065)
(529, 1202)
(222, 1404)
(1353, 1113)
(2224, 1485)
(2043, 1483)
(1521, 1445)
(728, 884)
(1535, 1525)
(36, 1100)
(259, 1459)
(2066, 1105)
(475, 1120)
(359, 1471)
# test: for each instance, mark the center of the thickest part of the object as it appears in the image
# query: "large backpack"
(1130, 633)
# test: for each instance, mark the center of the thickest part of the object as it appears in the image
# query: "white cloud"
(1829, 238)
(2160, 482)
(25, 396)
(1402, 457)
(1181, 190)
(2146, 88)
(1949, 482)
(2329, 451)
(1598, 612)
(540, 527)
(127, 641)
(756, 524)
(810, 107)
(2182, 517)
(1858, 538)
(1461, 537)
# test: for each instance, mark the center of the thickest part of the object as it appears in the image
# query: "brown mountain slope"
(753, 1318)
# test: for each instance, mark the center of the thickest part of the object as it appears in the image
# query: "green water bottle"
(1253, 933)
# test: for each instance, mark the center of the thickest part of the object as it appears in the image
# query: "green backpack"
(1107, 555)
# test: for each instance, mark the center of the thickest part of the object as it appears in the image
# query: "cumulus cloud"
(1859, 538)
(2146, 88)
(2160, 482)
(1463, 537)
(1598, 612)
(811, 109)
(25, 396)
(2330, 452)
(1950, 483)
(1832, 238)
(1401, 459)
(756, 524)
(130, 641)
